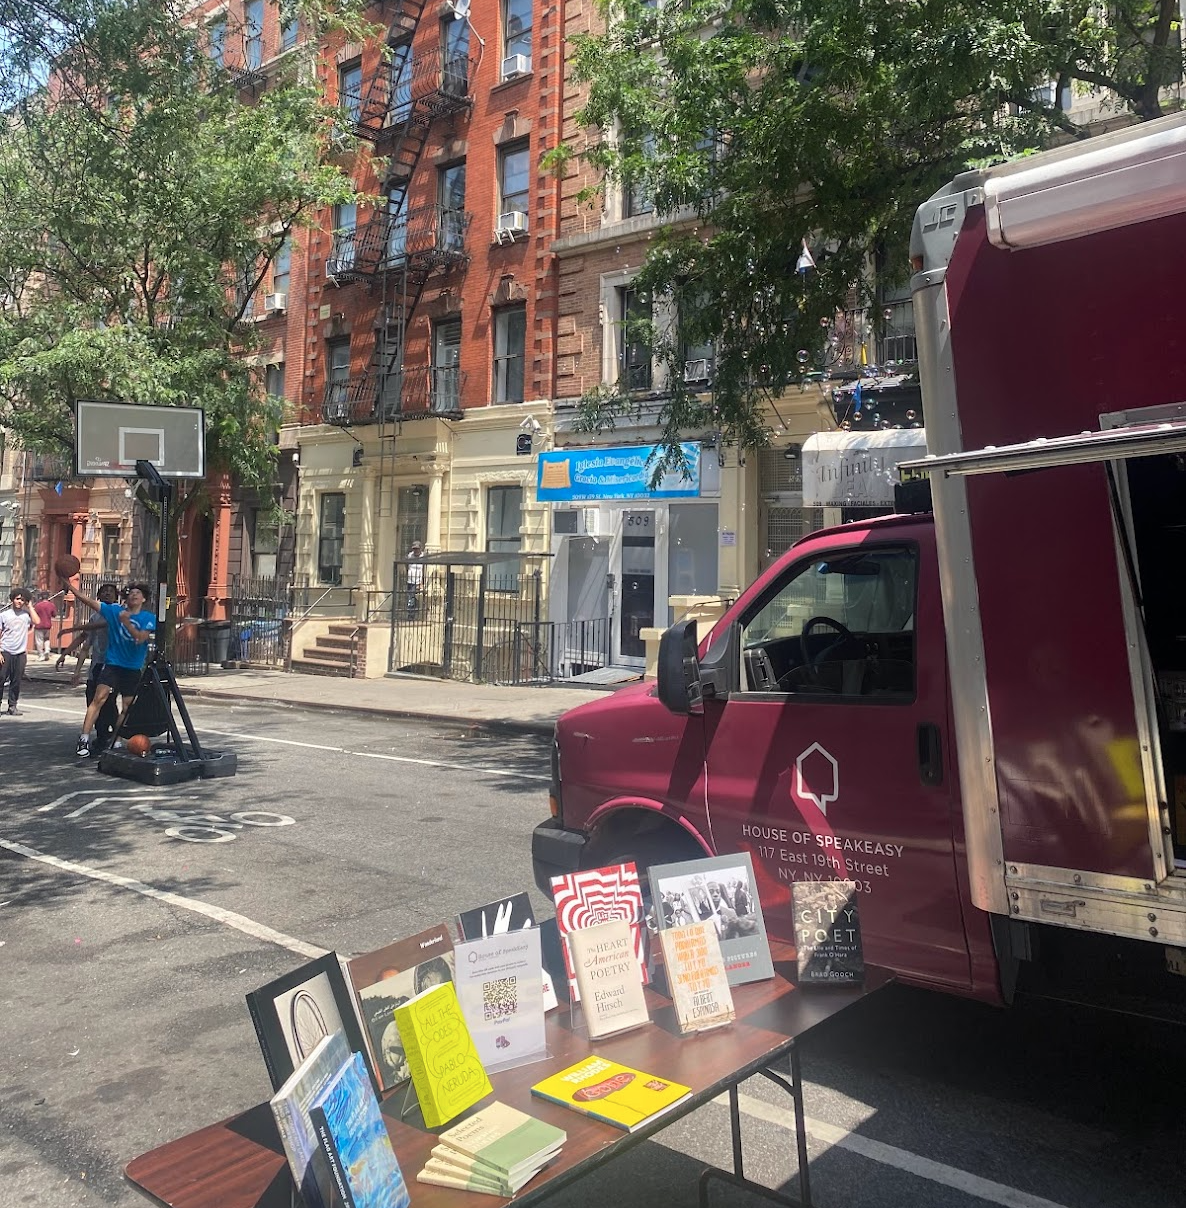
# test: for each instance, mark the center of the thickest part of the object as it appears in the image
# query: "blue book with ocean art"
(350, 1129)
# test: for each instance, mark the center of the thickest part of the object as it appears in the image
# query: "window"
(446, 366)
(350, 90)
(289, 26)
(839, 626)
(282, 268)
(401, 83)
(216, 41)
(516, 28)
(634, 353)
(510, 338)
(636, 198)
(111, 549)
(337, 376)
(32, 552)
(397, 223)
(330, 537)
(274, 380)
(253, 33)
(345, 219)
(455, 56)
(513, 178)
(451, 193)
(504, 519)
(265, 543)
(411, 518)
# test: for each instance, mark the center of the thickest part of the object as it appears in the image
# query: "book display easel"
(521, 1131)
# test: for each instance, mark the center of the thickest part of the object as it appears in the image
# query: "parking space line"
(215, 913)
(891, 1155)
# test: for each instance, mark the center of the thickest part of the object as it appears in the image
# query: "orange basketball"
(139, 744)
(67, 566)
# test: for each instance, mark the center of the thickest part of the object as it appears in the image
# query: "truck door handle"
(930, 753)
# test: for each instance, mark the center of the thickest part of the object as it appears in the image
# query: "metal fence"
(259, 610)
(469, 617)
(189, 653)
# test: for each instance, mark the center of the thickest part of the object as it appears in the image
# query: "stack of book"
(495, 1151)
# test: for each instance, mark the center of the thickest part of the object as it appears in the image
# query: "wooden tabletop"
(239, 1162)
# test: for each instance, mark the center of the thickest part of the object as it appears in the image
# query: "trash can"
(215, 639)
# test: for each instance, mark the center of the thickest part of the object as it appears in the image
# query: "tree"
(756, 125)
(144, 203)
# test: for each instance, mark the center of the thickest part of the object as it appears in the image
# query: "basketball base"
(167, 767)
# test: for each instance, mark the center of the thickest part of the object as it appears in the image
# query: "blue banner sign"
(625, 473)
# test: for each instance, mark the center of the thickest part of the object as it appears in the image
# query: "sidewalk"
(505, 708)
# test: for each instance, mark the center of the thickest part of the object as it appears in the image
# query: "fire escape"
(395, 253)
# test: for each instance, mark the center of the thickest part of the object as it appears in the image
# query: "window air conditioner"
(331, 269)
(337, 411)
(275, 302)
(697, 370)
(515, 65)
(512, 223)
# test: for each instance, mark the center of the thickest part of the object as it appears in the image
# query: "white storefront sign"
(856, 469)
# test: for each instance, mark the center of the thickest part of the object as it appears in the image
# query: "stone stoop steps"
(331, 653)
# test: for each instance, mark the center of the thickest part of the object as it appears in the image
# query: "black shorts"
(123, 680)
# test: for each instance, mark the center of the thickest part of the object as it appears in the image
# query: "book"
(445, 1068)
(449, 1160)
(294, 1013)
(387, 978)
(499, 917)
(500, 989)
(593, 896)
(354, 1140)
(696, 976)
(477, 1175)
(615, 1094)
(438, 1176)
(720, 890)
(504, 1139)
(608, 978)
(290, 1105)
(827, 932)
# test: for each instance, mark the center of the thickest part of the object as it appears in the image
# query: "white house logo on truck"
(817, 777)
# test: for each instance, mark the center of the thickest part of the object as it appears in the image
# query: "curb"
(495, 725)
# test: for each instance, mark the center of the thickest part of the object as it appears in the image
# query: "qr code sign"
(500, 999)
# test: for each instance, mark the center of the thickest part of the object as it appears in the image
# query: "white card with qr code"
(500, 988)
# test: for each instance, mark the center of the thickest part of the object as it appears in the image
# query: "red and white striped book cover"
(596, 895)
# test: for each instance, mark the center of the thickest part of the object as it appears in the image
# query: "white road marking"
(891, 1155)
(139, 794)
(227, 917)
(314, 746)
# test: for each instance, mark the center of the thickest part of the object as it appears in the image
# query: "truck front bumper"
(554, 852)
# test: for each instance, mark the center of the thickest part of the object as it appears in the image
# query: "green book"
(440, 1175)
(505, 1139)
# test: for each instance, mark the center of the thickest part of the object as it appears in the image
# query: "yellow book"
(613, 1093)
(444, 1064)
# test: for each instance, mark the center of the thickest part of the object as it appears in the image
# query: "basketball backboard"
(109, 438)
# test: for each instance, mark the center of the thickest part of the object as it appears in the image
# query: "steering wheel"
(809, 626)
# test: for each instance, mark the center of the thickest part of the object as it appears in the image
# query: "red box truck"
(976, 709)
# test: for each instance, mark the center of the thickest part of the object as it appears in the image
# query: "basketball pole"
(164, 496)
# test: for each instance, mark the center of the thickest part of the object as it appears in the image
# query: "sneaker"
(13, 712)
(83, 750)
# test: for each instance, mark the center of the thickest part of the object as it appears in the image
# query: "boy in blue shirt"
(130, 627)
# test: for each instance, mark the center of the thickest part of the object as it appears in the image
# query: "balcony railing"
(349, 401)
(432, 86)
(428, 237)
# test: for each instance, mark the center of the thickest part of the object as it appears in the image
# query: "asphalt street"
(133, 921)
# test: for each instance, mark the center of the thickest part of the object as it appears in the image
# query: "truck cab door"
(830, 758)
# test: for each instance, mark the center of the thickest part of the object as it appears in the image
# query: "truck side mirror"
(678, 685)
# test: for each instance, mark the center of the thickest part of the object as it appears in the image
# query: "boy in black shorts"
(130, 627)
